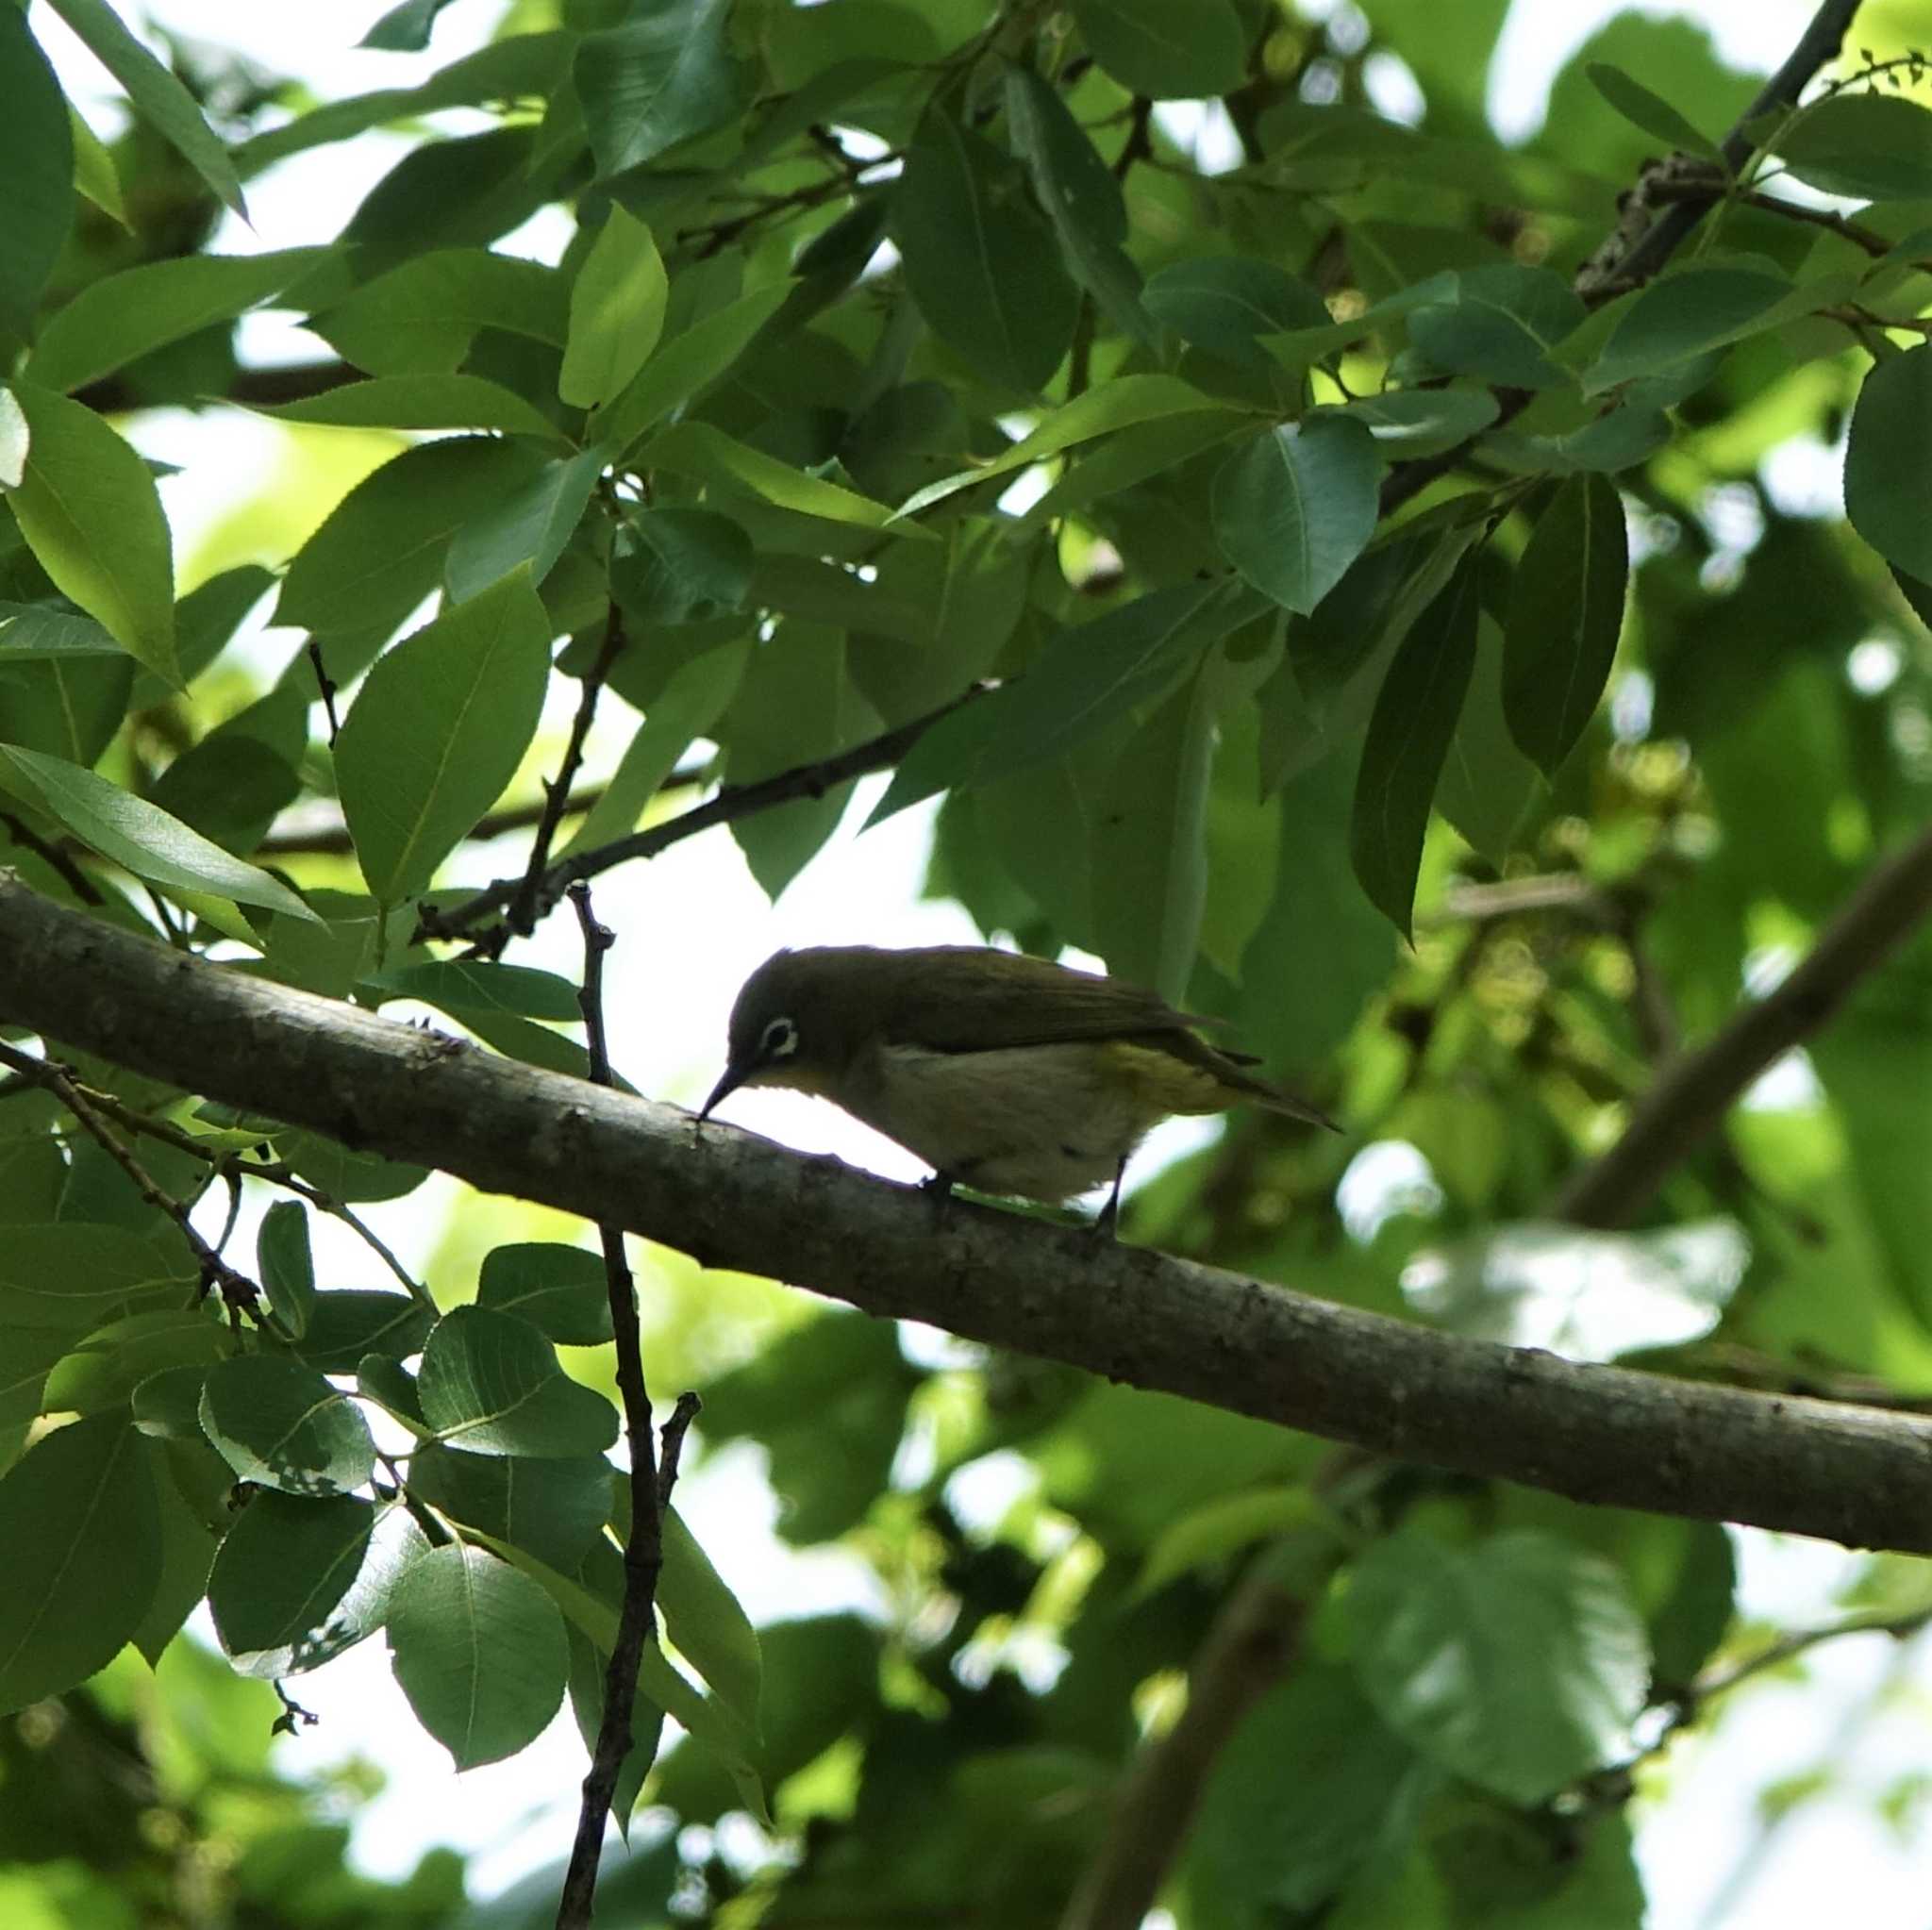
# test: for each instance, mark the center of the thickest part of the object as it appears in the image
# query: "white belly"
(1034, 1119)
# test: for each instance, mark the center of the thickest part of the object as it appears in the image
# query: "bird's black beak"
(733, 1078)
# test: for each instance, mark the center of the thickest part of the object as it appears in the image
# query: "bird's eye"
(779, 1039)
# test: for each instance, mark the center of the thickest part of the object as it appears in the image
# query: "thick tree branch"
(1694, 1092)
(1597, 1434)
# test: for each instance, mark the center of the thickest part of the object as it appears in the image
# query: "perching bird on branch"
(1005, 1073)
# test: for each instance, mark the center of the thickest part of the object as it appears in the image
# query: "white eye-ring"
(779, 1039)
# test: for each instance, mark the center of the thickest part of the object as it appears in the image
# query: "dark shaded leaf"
(1409, 738)
(1566, 612)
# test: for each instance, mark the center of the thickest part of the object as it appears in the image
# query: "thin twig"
(1817, 44)
(240, 1294)
(329, 837)
(650, 1489)
(62, 862)
(523, 913)
(327, 686)
(232, 1167)
(733, 802)
(1637, 247)
(1708, 192)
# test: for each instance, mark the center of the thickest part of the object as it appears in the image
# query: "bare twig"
(733, 802)
(521, 913)
(61, 860)
(239, 1293)
(650, 1486)
(329, 837)
(233, 1168)
(1706, 193)
(326, 685)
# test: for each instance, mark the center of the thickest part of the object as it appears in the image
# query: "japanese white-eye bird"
(1003, 1073)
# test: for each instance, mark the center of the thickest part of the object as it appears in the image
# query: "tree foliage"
(1350, 584)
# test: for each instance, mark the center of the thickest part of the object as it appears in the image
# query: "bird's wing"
(1059, 1005)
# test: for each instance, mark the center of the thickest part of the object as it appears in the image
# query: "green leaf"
(479, 1651)
(595, 1610)
(281, 1426)
(133, 833)
(1295, 506)
(167, 1405)
(405, 28)
(1682, 316)
(349, 1324)
(381, 550)
(588, 1673)
(1089, 675)
(113, 320)
(284, 1566)
(437, 731)
(1150, 851)
(698, 449)
(687, 706)
(1409, 422)
(500, 71)
(1488, 785)
(159, 98)
(36, 633)
(666, 75)
(1888, 475)
(616, 311)
(87, 509)
(1866, 146)
(1312, 1788)
(681, 566)
(517, 988)
(706, 1624)
(489, 1383)
(421, 317)
(559, 1289)
(1081, 198)
(531, 528)
(981, 264)
(1153, 48)
(1518, 1663)
(286, 1270)
(37, 153)
(796, 704)
(1226, 302)
(420, 402)
(1500, 323)
(188, 1550)
(1409, 733)
(1566, 613)
(1117, 404)
(77, 1519)
(682, 368)
(105, 1368)
(554, 1507)
(94, 172)
(75, 1276)
(1650, 112)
